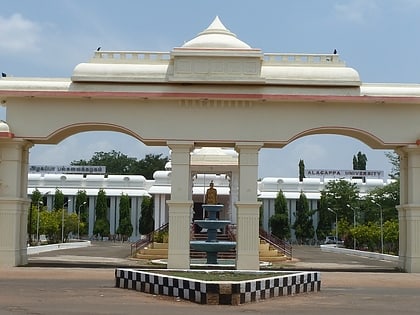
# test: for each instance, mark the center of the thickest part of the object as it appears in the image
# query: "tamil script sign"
(58, 169)
(344, 173)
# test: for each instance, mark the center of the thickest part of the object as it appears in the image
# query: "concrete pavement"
(66, 287)
(116, 254)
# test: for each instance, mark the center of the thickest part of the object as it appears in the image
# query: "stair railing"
(277, 243)
(147, 239)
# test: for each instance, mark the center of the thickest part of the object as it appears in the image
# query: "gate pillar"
(248, 209)
(180, 205)
(409, 209)
(14, 202)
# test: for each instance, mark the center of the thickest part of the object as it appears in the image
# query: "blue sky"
(378, 38)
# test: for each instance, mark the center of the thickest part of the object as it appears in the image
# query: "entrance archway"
(215, 90)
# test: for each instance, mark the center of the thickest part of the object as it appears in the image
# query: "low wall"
(50, 247)
(347, 251)
(218, 292)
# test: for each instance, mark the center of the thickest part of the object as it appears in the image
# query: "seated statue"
(211, 195)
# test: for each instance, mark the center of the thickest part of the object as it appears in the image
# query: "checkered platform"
(226, 293)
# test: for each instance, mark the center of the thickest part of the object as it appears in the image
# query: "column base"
(409, 232)
(247, 238)
(411, 265)
(13, 231)
(179, 234)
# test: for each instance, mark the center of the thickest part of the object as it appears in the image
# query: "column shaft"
(247, 247)
(409, 209)
(180, 206)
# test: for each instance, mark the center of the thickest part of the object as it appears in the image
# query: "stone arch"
(362, 135)
(73, 129)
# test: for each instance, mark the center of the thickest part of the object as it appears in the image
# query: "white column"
(409, 209)
(117, 212)
(134, 215)
(14, 202)
(402, 223)
(91, 218)
(112, 209)
(247, 247)
(234, 195)
(180, 206)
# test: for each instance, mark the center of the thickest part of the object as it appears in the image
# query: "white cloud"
(18, 34)
(356, 11)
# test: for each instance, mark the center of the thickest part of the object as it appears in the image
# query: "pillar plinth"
(179, 234)
(409, 217)
(14, 202)
(247, 236)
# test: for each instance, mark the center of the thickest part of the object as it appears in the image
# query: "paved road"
(64, 290)
(110, 254)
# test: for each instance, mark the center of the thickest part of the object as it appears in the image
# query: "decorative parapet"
(131, 57)
(159, 57)
(324, 60)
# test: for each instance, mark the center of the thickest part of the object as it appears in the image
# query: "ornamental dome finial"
(216, 36)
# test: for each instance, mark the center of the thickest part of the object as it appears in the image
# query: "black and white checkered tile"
(230, 293)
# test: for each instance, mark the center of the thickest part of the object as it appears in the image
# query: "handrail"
(279, 244)
(230, 233)
(147, 239)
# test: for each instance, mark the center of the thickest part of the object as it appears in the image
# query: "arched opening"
(279, 170)
(82, 146)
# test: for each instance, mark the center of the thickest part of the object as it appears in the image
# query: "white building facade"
(217, 165)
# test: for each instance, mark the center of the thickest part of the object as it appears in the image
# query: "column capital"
(25, 144)
(248, 146)
(411, 148)
(173, 145)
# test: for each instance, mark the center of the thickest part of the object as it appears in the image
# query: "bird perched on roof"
(335, 51)
(3, 75)
(98, 49)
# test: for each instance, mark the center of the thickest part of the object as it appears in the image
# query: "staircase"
(271, 248)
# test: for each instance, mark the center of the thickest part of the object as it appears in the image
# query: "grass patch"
(218, 275)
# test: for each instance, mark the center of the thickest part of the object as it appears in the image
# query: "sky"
(378, 38)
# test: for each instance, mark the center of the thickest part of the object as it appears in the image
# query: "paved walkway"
(110, 254)
(59, 288)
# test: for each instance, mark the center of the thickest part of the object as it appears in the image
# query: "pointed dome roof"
(4, 127)
(216, 36)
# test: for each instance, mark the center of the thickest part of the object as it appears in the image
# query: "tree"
(58, 200)
(359, 161)
(119, 163)
(81, 205)
(303, 225)
(101, 226)
(388, 197)
(125, 228)
(342, 197)
(146, 222)
(150, 164)
(279, 221)
(36, 197)
(339, 195)
(325, 218)
(301, 170)
(394, 159)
